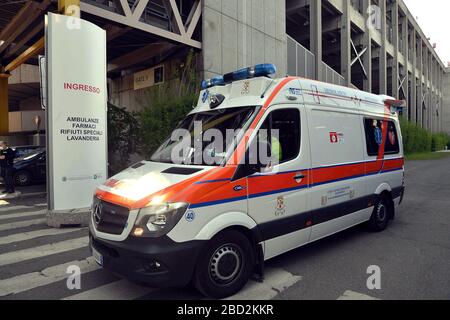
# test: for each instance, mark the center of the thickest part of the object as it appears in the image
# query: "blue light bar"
(266, 69)
(260, 70)
(216, 81)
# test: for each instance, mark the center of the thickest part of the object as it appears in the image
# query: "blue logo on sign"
(205, 96)
(190, 216)
(295, 91)
(378, 136)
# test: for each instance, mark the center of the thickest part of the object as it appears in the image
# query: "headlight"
(157, 220)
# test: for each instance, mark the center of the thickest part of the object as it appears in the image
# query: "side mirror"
(257, 158)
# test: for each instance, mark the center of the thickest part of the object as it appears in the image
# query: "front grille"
(109, 218)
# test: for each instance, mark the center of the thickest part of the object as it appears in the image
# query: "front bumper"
(157, 262)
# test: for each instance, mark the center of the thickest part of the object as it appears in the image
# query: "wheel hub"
(381, 212)
(225, 264)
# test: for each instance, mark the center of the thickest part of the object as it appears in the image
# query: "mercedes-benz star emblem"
(98, 213)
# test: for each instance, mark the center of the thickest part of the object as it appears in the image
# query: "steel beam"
(133, 20)
(32, 51)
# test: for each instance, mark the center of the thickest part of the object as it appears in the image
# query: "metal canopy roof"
(22, 24)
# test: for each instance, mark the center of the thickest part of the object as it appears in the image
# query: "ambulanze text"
(82, 129)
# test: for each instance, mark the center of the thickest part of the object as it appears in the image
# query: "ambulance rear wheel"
(225, 265)
(380, 217)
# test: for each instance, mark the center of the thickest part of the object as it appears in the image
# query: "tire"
(381, 214)
(23, 178)
(225, 265)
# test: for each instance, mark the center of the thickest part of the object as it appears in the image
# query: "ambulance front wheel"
(225, 265)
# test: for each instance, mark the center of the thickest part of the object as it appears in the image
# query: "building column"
(413, 102)
(383, 53)
(433, 97)
(367, 57)
(346, 69)
(395, 41)
(421, 88)
(315, 35)
(405, 52)
(4, 107)
(428, 88)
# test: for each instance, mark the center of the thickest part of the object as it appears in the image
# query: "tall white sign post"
(76, 117)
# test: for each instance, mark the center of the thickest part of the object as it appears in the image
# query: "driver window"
(281, 131)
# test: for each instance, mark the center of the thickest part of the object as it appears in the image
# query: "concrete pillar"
(433, 97)
(413, 102)
(315, 35)
(346, 69)
(4, 108)
(367, 57)
(395, 41)
(405, 52)
(421, 88)
(383, 53)
(427, 96)
(238, 34)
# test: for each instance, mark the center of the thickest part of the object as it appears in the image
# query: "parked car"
(31, 169)
(25, 151)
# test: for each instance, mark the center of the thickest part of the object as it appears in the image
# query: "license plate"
(97, 256)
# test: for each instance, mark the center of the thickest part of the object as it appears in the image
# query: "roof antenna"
(267, 89)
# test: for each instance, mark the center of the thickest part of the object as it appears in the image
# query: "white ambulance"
(339, 163)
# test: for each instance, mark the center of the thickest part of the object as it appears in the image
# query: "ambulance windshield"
(205, 138)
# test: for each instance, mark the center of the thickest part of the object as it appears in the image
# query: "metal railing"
(301, 63)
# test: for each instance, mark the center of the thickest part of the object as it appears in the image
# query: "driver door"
(278, 198)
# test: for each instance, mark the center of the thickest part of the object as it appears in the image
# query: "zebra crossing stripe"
(35, 234)
(276, 280)
(15, 208)
(45, 277)
(118, 290)
(23, 214)
(42, 251)
(351, 295)
(22, 224)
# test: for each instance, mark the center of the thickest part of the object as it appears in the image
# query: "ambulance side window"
(287, 123)
(374, 137)
(392, 144)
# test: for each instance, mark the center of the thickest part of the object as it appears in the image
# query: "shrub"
(418, 140)
(440, 141)
(123, 137)
(168, 104)
(158, 121)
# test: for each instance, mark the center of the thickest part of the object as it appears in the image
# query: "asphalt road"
(413, 255)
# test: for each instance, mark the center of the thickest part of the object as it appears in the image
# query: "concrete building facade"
(446, 102)
(373, 45)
